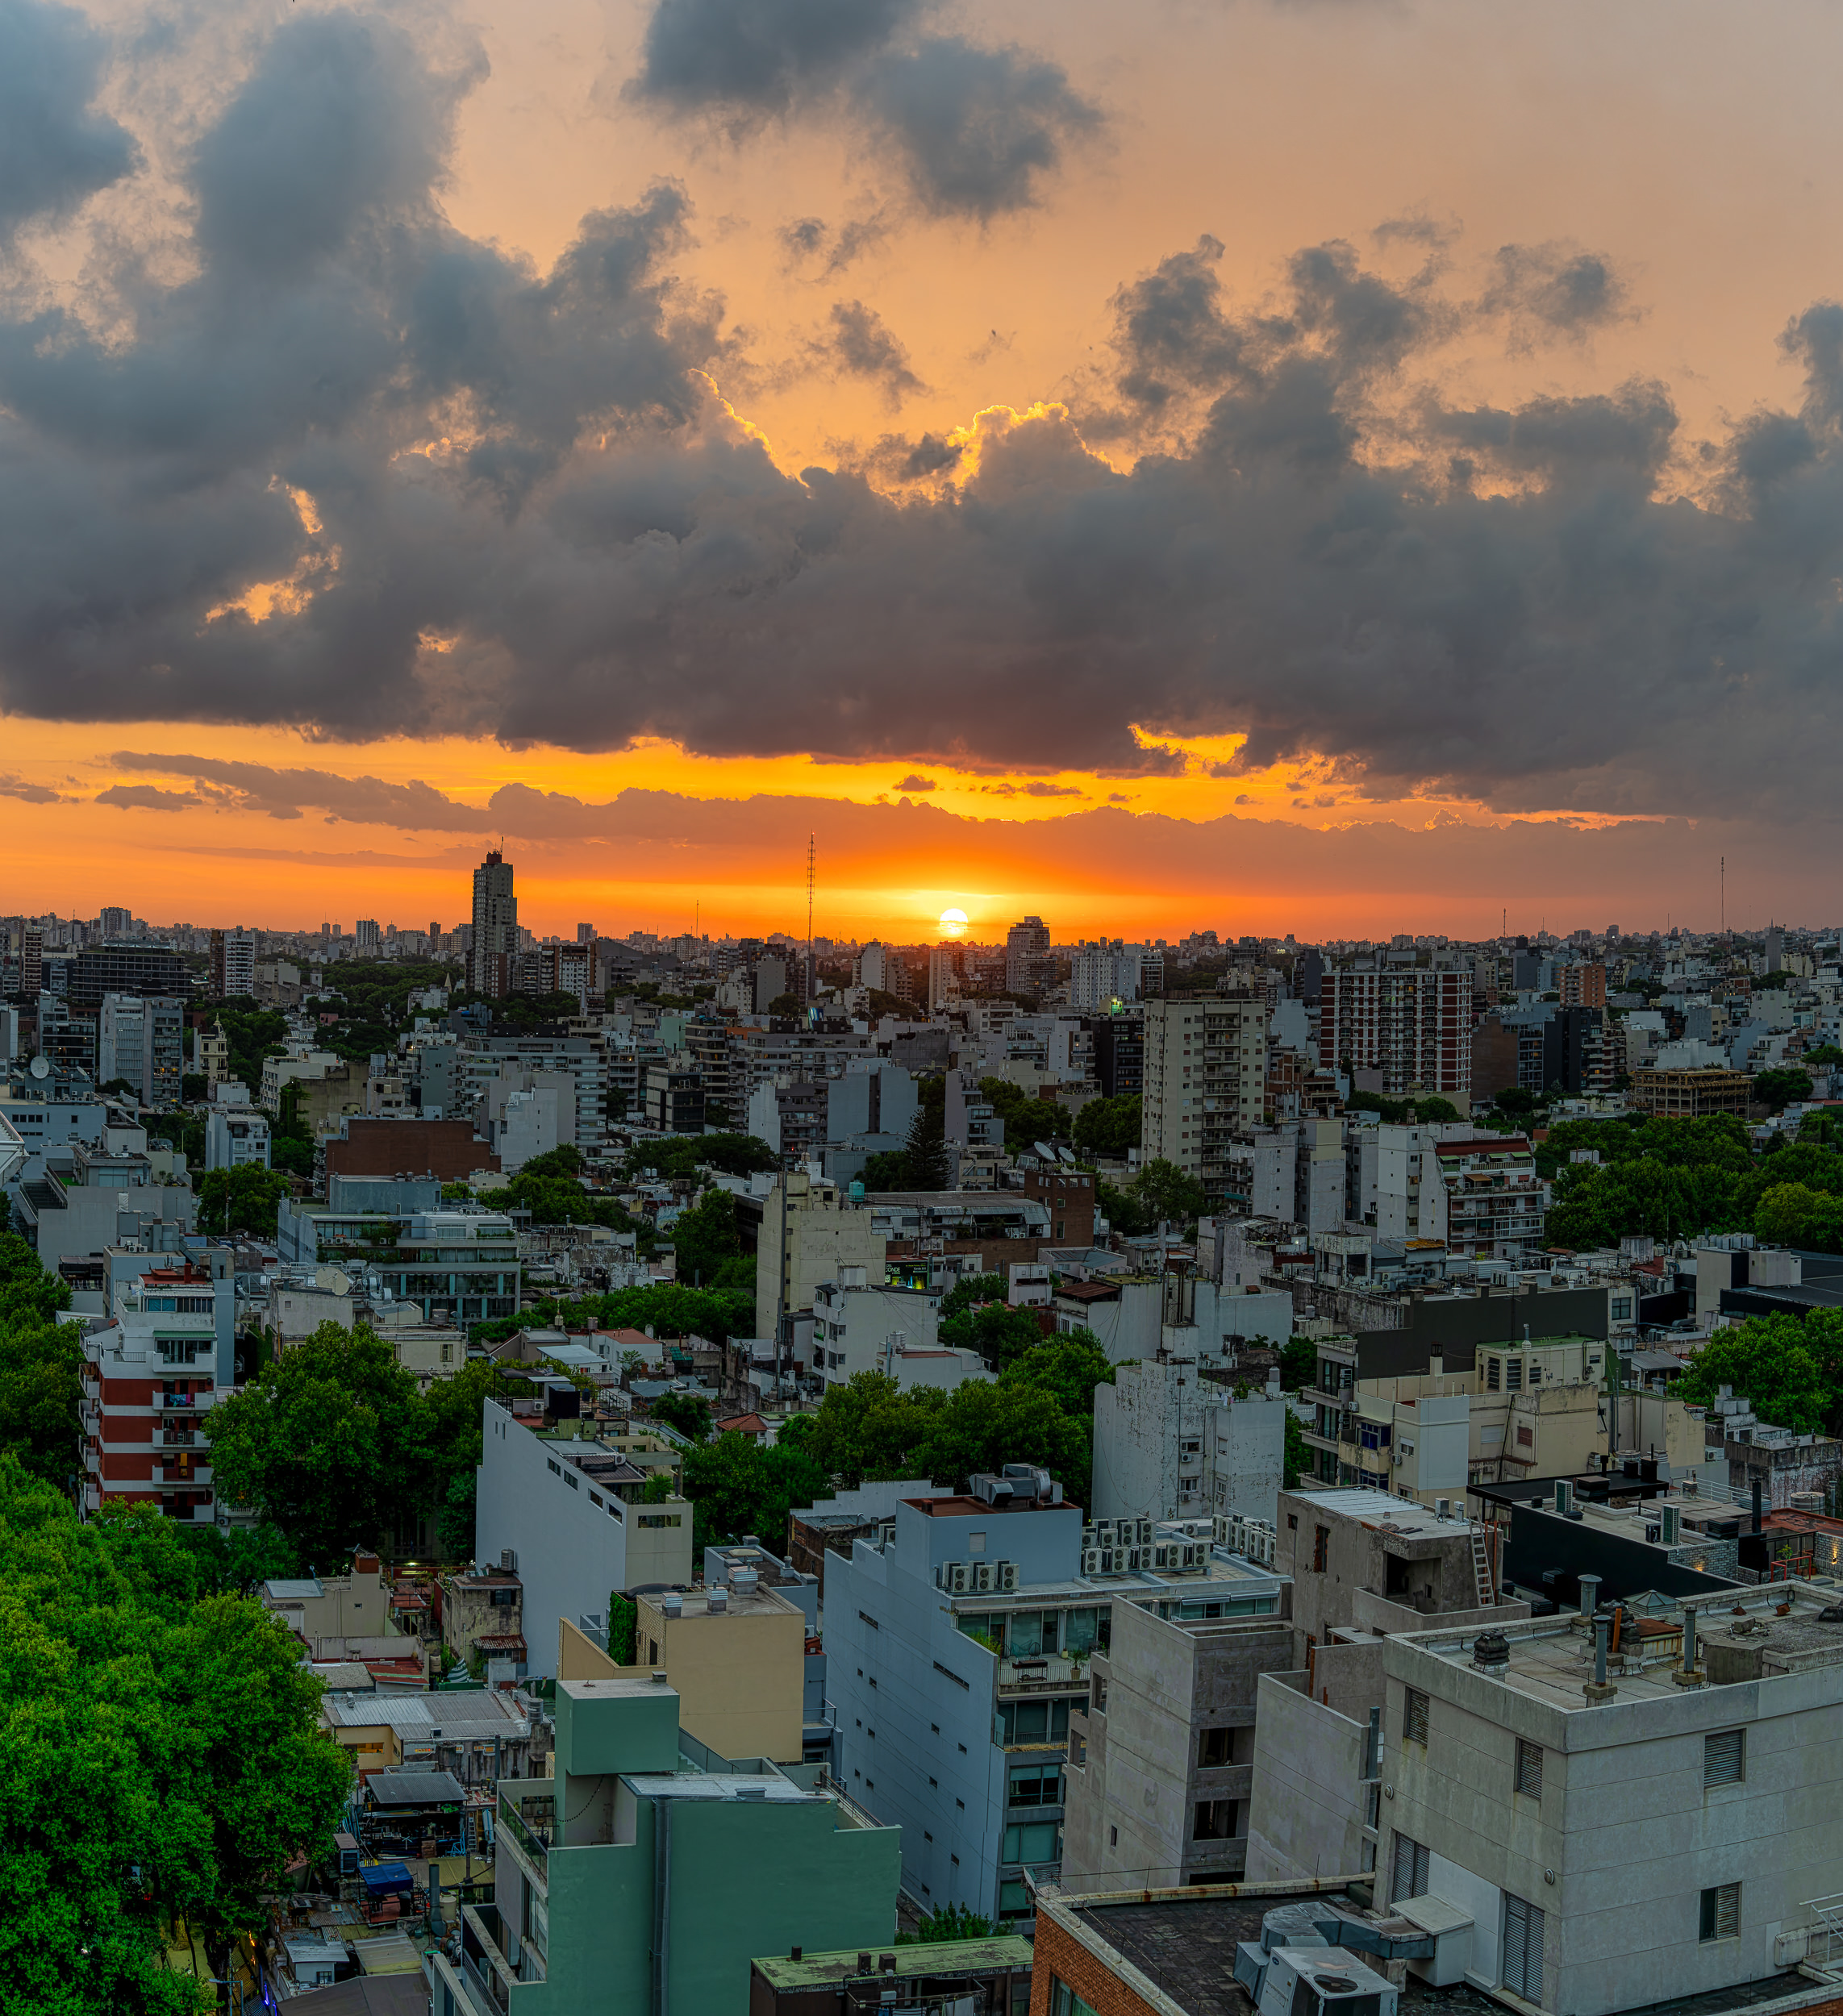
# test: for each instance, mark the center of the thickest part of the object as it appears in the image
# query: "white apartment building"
(1171, 1444)
(1205, 1086)
(1593, 1846)
(564, 1513)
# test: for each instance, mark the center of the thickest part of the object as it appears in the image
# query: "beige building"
(735, 1658)
(808, 1235)
(1206, 1077)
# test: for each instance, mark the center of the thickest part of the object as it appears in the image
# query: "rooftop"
(943, 1957)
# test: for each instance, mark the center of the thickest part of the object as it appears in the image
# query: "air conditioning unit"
(1007, 1576)
(982, 1578)
(957, 1577)
(1091, 1560)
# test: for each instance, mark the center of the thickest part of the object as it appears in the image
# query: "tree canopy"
(165, 1762)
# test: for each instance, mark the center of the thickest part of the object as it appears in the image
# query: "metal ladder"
(1481, 1570)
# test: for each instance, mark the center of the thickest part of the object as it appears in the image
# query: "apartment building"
(959, 1644)
(1608, 1826)
(1205, 1082)
(1410, 1026)
(151, 1373)
(1161, 1762)
(1171, 1442)
(567, 1516)
(648, 1868)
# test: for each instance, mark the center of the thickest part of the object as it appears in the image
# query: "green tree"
(622, 1616)
(1169, 1195)
(1778, 1363)
(333, 1443)
(41, 1366)
(969, 1292)
(996, 1330)
(951, 1922)
(167, 1762)
(1777, 1089)
(689, 1413)
(1108, 1127)
(738, 1485)
(245, 1200)
(1297, 1461)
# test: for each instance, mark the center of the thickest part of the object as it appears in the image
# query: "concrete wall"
(571, 1550)
(1306, 1817)
(1624, 1823)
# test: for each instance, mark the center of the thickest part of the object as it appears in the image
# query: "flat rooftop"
(1402, 1516)
(944, 1958)
(1552, 1658)
(1186, 1945)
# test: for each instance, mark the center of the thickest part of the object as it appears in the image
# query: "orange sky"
(1695, 144)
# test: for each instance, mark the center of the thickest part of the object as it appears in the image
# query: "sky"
(1335, 466)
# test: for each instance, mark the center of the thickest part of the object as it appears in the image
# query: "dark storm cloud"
(974, 129)
(362, 474)
(978, 129)
(862, 343)
(55, 147)
(1554, 292)
(759, 56)
(284, 794)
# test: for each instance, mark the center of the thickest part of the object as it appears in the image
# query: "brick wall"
(1061, 1957)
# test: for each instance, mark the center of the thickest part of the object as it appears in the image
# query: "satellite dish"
(40, 1067)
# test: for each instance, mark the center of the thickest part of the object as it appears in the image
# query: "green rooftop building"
(645, 1876)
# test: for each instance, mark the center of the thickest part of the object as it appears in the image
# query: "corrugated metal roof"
(460, 1717)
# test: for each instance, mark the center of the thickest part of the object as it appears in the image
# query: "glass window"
(1078, 1631)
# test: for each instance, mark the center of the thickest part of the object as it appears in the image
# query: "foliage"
(690, 1412)
(1795, 1215)
(246, 1199)
(165, 1762)
(678, 1159)
(951, 1922)
(1413, 1113)
(1297, 1461)
(335, 1445)
(622, 1616)
(737, 1485)
(868, 1428)
(1777, 1089)
(41, 1363)
(1789, 1368)
(969, 1292)
(1026, 1119)
(706, 1240)
(1298, 1364)
(1109, 1126)
(996, 1330)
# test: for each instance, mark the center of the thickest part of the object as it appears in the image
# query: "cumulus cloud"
(974, 129)
(56, 148)
(356, 471)
(1553, 293)
(861, 343)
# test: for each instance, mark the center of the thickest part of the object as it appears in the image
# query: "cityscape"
(831, 1185)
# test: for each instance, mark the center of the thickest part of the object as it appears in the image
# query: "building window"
(1414, 1721)
(1215, 1820)
(1409, 1872)
(1721, 1912)
(1724, 1757)
(1064, 2001)
(1321, 1548)
(1524, 1926)
(1215, 1747)
(1529, 1769)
